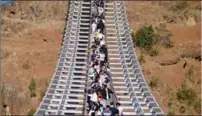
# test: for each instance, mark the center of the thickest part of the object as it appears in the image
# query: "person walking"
(118, 106)
(107, 111)
(114, 110)
(93, 27)
(106, 93)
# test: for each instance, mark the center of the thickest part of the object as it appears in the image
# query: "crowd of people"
(99, 93)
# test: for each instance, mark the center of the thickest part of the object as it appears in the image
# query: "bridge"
(66, 94)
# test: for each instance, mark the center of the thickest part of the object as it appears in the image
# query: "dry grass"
(25, 54)
(174, 38)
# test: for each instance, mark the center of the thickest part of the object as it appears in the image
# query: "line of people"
(99, 94)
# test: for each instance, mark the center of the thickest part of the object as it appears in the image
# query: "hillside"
(32, 33)
(178, 24)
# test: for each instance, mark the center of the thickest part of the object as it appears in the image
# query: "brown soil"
(34, 41)
(185, 38)
(25, 25)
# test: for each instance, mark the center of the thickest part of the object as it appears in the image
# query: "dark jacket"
(106, 113)
(102, 4)
(96, 87)
(105, 52)
(101, 26)
(114, 110)
(104, 93)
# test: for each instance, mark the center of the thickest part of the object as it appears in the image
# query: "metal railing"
(57, 98)
(121, 21)
(114, 97)
(67, 85)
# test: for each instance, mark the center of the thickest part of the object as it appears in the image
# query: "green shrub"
(171, 112)
(186, 95)
(31, 112)
(26, 66)
(32, 88)
(144, 37)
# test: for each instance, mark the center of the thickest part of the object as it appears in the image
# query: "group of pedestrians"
(99, 93)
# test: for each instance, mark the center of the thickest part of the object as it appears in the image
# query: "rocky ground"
(165, 69)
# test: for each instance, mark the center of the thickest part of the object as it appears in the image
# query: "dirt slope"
(31, 40)
(32, 33)
(186, 40)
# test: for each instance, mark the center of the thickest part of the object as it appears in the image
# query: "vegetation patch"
(32, 88)
(147, 36)
(185, 99)
(144, 37)
(186, 95)
(26, 66)
(31, 112)
(171, 112)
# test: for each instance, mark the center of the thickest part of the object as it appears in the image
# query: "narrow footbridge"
(66, 93)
